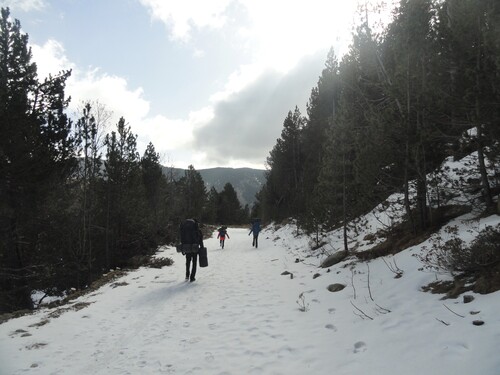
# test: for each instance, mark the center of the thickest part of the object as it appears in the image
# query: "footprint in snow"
(359, 347)
(194, 340)
(332, 327)
(209, 356)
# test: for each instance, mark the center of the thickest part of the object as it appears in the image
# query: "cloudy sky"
(209, 82)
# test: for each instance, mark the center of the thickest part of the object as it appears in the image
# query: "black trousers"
(255, 240)
(194, 258)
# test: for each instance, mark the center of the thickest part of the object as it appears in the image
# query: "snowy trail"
(230, 318)
(241, 316)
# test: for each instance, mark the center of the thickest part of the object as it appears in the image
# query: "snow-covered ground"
(242, 316)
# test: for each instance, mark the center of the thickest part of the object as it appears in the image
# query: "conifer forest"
(76, 200)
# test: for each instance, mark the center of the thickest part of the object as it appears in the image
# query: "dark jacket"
(255, 228)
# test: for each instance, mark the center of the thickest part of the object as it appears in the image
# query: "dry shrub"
(160, 262)
(451, 289)
(149, 261)
(455, 257)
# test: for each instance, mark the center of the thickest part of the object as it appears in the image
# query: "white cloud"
(111, 91)
(181, 16)
(282, 37)
(91, 84)
(285, 31)
(198, 53)
(237, 81)
(25, 5)
(249, 110)
(169, 136)
(281, 32)
(50, 58)
(247, 122)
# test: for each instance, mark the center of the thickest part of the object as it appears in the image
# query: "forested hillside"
(246, 181)
(77, 201)
(390, 111)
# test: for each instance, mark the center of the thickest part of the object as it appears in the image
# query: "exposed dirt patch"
(37, 345)
(485, 282)
(401, 236)
(76, 307)
(115, 285)
(40, 323)
(450, 289)
(394, 244)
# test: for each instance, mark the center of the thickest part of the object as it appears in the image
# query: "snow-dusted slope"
(242, 316)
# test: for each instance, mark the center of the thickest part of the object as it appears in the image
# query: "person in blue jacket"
(255, 229)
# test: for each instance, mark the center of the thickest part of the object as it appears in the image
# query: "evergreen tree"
(210, 215)
(124, 193)
(410, 48)
(229, 208)
(469, 46)
(321, 107)
(284, 185)
(355, 151)
(88, 130)
(192, 194)
(36, 152)
(152, 177)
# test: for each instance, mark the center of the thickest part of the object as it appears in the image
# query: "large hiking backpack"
(190, 237)
(256, 226)
(189, 232)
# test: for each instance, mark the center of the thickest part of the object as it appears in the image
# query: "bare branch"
(369, 289)
(383, 310)
(361, 311)
(394, 268)
(453, 311)
(442, 321)
(303, 306)
(352, 283)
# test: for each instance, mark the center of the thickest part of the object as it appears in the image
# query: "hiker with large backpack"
(191, 243)
(222, 235)
(255, 229)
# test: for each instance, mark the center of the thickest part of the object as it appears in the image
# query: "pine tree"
(229, 207)
(210, 215)
(469, 46)
(284, 183)
(192, 194)
(152, 177)
(124, 193)
(88, 132)
(36, 156)
(410, 48)
(321, 107)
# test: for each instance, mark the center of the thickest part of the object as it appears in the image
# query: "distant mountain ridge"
(246, 181)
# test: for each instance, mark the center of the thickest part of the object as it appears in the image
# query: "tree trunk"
(482, 170)
(344, 204)
(406, 189)
(479, 136)
(407, 118)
